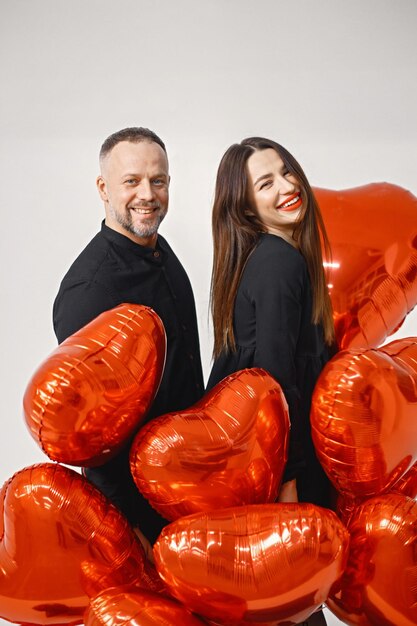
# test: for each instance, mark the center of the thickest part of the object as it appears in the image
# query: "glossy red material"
(373, 235)
(406, 486)
(129, 606)
(364, 417)
(229, 449)
(62, 541)
(93, 391)
(271, 562)
(379, 586)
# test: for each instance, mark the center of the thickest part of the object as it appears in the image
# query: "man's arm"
(79, 303)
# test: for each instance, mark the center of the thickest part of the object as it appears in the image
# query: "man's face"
(134, 185)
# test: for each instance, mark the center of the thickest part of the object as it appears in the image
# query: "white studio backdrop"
(333, 81)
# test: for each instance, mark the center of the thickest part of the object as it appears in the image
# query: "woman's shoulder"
(274, 267)
(273, 251)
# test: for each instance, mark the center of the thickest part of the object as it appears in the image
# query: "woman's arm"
(288, 492)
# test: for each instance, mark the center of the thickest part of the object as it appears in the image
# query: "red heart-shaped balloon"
(129, 605)
(379, 585)
(364, 417)
(62, 541)
(373, 277)
(257, 563)
(93, 391)
(228, 449)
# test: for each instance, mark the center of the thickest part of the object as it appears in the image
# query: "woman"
(269, 297)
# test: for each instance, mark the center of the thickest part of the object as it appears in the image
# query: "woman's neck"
(286, 234)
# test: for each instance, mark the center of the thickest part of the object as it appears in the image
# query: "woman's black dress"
(273, 330)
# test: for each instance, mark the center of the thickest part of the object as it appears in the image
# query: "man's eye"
(130, 181)
(158, 181)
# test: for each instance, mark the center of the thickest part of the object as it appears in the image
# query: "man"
(128, 261)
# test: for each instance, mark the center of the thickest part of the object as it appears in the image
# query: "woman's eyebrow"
(262, 177)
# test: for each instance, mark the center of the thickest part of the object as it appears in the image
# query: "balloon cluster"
(364, 415)
(61, 539)
(231, 556)
(364, 426)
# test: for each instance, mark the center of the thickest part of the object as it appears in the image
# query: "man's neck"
(146, 242)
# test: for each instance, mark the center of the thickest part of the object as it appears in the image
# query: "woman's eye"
(265, 185)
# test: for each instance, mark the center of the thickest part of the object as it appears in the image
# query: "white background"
(334, 81)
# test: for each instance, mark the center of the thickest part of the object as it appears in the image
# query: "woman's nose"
(286, 186)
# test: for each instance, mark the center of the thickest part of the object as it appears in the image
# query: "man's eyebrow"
(136, 175)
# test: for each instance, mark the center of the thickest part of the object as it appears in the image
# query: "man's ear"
(102, 188)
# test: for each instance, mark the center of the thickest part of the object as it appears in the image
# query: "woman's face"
(275, 193)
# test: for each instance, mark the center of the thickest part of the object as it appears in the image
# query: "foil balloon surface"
(93, 391)
(260, 563)
(364, 417)
(373, 273)
(229, 449)
(62, 541)
(128, 606)
(379, 586)
(406, 486)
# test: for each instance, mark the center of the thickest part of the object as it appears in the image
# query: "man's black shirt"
(111, 270)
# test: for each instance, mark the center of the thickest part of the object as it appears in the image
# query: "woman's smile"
(292, 203)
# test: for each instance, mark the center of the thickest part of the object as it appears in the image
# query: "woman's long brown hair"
(236, 231)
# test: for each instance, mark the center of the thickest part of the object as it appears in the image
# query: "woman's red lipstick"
(294, 200)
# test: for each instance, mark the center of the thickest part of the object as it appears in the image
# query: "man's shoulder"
(91, 260)
(164, 245)
(169, 254)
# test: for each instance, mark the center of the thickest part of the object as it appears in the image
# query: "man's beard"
(139, 230)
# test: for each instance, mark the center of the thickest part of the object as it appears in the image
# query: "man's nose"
(145, 190)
